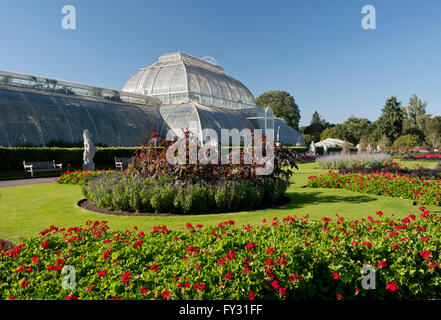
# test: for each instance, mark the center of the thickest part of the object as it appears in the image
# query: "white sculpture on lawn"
(312, 149)
(89, 151)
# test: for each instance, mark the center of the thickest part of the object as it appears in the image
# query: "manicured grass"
(411, 164)
(26, 210)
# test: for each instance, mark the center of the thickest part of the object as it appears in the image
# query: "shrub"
(407, 141)
(292, 258)
(121, 191)
(342, 161)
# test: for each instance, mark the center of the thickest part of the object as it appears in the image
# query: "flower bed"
(123, 192)
(292, 258)
(397, 185)
(424, 156)
(81, 177)
(418, 171)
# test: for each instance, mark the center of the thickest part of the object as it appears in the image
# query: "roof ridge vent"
(186, 58)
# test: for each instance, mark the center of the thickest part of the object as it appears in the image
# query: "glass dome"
(180, 116)
(178, 77)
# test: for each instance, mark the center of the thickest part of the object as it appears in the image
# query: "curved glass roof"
(287, 134)
(31, 117)
(180, 116)
(178, 77)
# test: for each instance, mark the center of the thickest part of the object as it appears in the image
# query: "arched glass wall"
(30, 117)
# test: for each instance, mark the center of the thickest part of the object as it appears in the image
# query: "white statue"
(312, 149)
(89, 151)
(378, 148)
(369, 148)
(359, 148)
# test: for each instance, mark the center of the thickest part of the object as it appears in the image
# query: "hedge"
(12, 158)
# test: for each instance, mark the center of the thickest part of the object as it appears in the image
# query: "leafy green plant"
(290, 258)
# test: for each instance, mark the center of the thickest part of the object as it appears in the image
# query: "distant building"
(169, 94)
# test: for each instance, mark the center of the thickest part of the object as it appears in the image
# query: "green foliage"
(433, 132)
(336, 132)
(317, 126)
(390, 123)
(407, 141)
(121, 191)
(293, 258)
(283, 106)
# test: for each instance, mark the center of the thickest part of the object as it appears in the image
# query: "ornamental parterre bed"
(291, 258)
(424, 191)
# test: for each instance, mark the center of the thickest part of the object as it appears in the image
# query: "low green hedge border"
(12, 158)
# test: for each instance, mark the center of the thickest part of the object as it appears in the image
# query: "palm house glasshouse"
(171, 94)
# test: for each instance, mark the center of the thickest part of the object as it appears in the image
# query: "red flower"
(252, 295)
(382, 264)
(24, 283)
(275, 284)
(199, 286)
(336, 276)
(394, 246)
(269, 262)
(165, 294)
(270, 250)
(45, 244)
(154, 267)
(425, 254)
(102, 273)
(228, 275)
(126, 277)
(90, 288)
(71, 297)
(340, 297)
(392, 286)
(246, 270)
(250, 246)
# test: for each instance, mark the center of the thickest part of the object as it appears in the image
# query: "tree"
(283, 105)
(415, 117)
(407, 141)
(336, 132)
(355, 128)
(390, 123)
(433, 132)
(317, 126)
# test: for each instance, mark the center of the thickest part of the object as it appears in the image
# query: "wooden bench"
(33, 166)
(121, 163)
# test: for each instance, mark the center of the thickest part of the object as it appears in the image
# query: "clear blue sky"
(314, 49)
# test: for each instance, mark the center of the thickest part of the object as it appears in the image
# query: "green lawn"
(26, 210)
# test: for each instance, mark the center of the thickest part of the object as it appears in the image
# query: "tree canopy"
(283, 105)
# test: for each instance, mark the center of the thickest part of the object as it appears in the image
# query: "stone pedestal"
(89, 166)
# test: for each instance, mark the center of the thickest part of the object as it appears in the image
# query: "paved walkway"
(25, 182)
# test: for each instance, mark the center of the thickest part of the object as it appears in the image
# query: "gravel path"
(25, 182)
